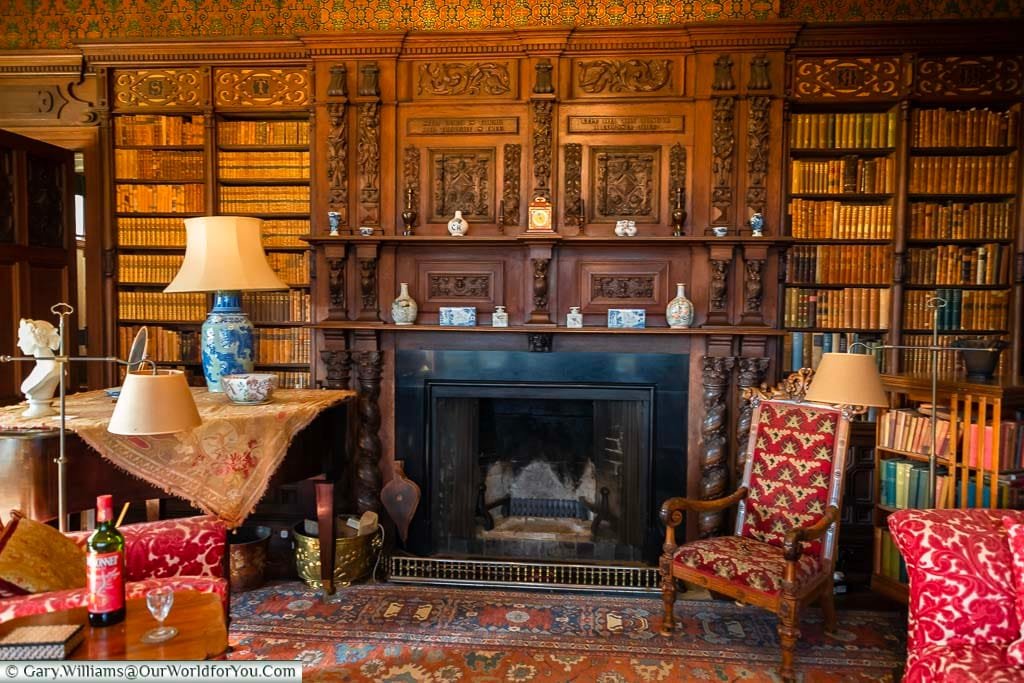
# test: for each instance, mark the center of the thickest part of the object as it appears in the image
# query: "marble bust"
(40, 339)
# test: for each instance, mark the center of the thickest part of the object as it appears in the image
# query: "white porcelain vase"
(404, 308)
(458, 226)
(679, 312)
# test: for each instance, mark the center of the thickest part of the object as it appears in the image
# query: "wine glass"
(159, 601)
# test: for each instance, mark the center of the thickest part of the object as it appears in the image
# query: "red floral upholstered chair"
(781, 554)
(187, 554)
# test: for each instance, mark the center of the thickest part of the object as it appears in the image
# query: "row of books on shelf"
(260, 199)
(263, 165)
(154, 130)
(904, 484)
(850, 174)
(282, 345)
(148, 268)
(290, 267)
(159, 198)
(161, 306)
(148, 231)
(291, 306)
(949, 264)
(962, 220)
(284, 232)
(293, 379)
(843, 130)
(890, 562)
(239, 132)
(163, 344)
(943, 127)
(947, 363)
(148, 164)
(804, 349)
(830, 219)
(909, 430)
(839, 264)
(963, 174)
(965, 309)
(854, 308)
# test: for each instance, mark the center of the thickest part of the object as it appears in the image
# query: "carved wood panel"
(160, 88)
(462, 180)
(723, 149)
(542, 114)
(632, 77)
(830, 78)
(368, 149)
(337, 160)
(467, 79)
(261, 87)
(511, 199)
(46, 104)
(625, 184)
(573, 185)
(629, 284)
(758, 130)
(969, 76)
(459, 283)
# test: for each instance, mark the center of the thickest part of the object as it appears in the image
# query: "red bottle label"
(105, 574)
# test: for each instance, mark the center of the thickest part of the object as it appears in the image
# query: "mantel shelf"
(482, 240)
(541, 329)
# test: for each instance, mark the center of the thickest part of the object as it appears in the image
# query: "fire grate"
(521, 574)
(546, 507)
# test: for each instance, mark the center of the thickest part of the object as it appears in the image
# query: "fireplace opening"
(541, 472)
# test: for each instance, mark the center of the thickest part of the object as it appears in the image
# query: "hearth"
(540, 458)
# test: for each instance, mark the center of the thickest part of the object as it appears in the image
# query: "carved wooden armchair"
(782, 551)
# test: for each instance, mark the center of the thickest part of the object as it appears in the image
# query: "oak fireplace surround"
(533, 456)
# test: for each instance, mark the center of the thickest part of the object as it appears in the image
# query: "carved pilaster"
(714, 475)
(339, 369)
(369, 163)
(573, 185)
(758, 130)
(750, 374)
(510, 192)
(718, 292)
(753, 289)
(540, 291)
(677, 181)
(723, 149)
(337, 145)
(411, 176)
(368, 289)
(542, 111)
(368, 480)
(337, 306)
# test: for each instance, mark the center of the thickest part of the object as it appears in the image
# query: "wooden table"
(199, 618)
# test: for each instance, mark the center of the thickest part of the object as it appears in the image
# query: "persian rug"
(412, 634)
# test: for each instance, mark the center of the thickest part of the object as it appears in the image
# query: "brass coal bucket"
(354, 557)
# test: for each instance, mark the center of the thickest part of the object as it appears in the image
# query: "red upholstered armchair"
(781, 554)
(963, 622)
(187, 554)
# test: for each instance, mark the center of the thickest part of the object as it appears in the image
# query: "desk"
(224, 466)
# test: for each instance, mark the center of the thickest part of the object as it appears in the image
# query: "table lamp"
(848, 379)
(223, 254)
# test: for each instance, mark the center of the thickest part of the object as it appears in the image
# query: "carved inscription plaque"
(627, 124)
(497, 125)
(462, 180)
(625, 183)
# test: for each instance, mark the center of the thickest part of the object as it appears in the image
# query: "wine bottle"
(105, 567)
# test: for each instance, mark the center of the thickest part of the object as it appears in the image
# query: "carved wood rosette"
(750, 374)
(542, 111)
(338, 366)
(723, 150)
(573, 185)
(970, 76)
(368, 288)
(540, 314)
(829, 78)
(368, 135)
(511, 198)
(758, 131)
(714, 475)
(368, 481)
(139, 88)
(337, 159)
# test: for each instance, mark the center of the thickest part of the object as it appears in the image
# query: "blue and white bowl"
(250, 388)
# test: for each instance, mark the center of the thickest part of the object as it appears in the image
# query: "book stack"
(293, 379)
(949, 264)
(947, 363)
(970, 309)
(150, 164)
(148, 268)
(275, 346)
(892, 565)
(943, 127)
(145, 231)
(863, 130)
(857, 308)
(850, 174)
(165, 345)
(839, 264)
(130, 198)
(263, 132)
(271, 307)
(162, 307)
(962, 220)
(290, 267)
(905, 485)
(804, 349)
(963, 175)
(264, 165)
(1011, 445)
(153, 131)
(816, 219)
(254, 200)
(284, 232)
(909, 430)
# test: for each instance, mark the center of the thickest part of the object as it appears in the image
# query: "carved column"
(411, 176)
(335, 254)
(754, 258)
(542, 106)
(721, 256)
(677, 184)
(714, 475)
(511, 199)
(366, 278)
(539, 268)
(573, 211)
(758, 130)
(337, 144)
(368, 478)
(750, 374)
(723, 150)
(368, 136)
(338, 365)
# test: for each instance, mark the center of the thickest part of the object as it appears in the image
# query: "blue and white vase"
(679, 312)
(227, 340)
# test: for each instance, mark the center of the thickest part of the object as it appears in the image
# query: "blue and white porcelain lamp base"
(227, 339)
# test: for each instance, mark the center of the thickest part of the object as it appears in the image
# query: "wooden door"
(37, 244)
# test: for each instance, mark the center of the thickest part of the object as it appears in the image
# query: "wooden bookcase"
(969, 461)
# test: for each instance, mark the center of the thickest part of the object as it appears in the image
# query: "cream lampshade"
(849, 379)
(154, 402)
(224, 253)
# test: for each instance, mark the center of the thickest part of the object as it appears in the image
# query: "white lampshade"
(224, 253)
(849, 379)
(154, 403)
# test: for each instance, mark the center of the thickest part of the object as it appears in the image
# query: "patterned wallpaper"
(61, 23)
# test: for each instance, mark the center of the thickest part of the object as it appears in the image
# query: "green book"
(903, 468)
